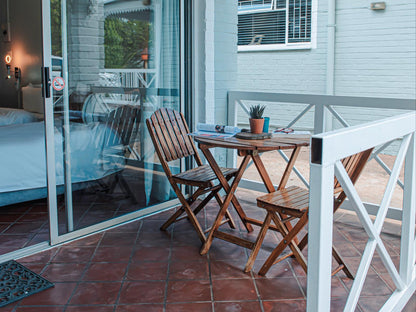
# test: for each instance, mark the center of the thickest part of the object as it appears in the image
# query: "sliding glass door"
(108, 65)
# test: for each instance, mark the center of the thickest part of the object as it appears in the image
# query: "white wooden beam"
(320, 237)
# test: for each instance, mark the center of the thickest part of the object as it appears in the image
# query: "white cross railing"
(327, 149)
(323, 106)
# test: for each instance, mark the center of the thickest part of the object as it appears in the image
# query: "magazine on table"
(215, 131)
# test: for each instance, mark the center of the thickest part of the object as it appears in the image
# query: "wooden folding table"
(248, 149)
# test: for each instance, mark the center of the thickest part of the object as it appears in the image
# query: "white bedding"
(11, 116)
(23, 161)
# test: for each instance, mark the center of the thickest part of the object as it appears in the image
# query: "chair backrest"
(170, 136)
(124, 120)
(354, 166)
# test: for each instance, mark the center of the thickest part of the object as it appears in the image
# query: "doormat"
(18, 282)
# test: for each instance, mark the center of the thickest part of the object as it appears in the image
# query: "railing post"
(320, 231)
(319, 120)
(407, 253)
(231, 121)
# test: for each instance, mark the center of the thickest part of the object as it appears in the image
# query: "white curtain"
(166, 61)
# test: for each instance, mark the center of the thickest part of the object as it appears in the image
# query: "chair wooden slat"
(183, 141)
(161, 138)
(180, 119)
(174, 139)
(168, 139)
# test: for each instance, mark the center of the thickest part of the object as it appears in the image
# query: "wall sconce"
(378, 6)
(8, 60)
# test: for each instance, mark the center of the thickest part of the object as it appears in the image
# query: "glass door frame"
(55, 238)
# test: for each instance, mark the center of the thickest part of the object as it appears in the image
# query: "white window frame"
(285, 46)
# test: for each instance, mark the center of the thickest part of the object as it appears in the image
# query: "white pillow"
(11, 116)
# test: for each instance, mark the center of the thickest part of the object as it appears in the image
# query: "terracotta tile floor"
(137, 267)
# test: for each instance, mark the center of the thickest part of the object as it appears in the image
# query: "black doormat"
(18, 282)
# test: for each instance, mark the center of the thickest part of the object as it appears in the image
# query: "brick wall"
(375, 57)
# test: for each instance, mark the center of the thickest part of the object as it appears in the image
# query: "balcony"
(137, 267)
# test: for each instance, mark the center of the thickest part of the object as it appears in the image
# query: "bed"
(23, 161)
(12, 116)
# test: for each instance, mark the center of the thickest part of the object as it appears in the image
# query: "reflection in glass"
(121, 60)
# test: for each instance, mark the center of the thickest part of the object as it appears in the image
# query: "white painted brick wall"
(375, 57)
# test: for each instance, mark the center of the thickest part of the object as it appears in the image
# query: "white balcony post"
(407, 258)
(320, 234)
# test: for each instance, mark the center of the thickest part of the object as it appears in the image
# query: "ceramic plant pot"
(256, 125)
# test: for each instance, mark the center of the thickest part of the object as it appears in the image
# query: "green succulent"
(256, 111)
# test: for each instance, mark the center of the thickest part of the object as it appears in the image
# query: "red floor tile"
(105, 272)
(279, 288)
(228, 269)
(57, 295)
(189, 307)
(147, 271)
(285, 306)
(151, 254)
(188, 291)
(234, 290)
(118, 239)
(142, 292)
(96, 293)
(187, 253)
(38, 309)
(188, 270)
(91, 240)
(90, 308)
(112, 254)
(140, 308)
(73, 254)
(243, 306)
(64, 272)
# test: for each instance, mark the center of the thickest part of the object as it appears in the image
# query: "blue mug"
(266, 124)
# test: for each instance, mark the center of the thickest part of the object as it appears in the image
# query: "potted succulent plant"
(256, 118)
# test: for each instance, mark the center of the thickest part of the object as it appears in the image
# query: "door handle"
(46, 83)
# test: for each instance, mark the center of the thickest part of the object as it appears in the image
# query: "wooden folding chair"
(292, 203)
(124, 122)
(171, 139)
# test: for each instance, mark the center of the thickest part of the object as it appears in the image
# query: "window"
(274, 24)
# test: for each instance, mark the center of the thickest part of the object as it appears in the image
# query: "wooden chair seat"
(292, 204)
(293, 201)
(201, 176)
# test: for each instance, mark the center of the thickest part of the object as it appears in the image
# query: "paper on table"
(217, 128)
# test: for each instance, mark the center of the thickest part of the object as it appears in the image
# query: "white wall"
(219, 69)
(375, 57)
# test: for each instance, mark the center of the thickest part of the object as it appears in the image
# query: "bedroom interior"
(67, 167)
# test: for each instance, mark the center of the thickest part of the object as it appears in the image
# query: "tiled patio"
(136, 267)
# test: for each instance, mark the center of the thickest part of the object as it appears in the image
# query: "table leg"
(230, 194)
(224, 183)
(289, 167)
(263, 173)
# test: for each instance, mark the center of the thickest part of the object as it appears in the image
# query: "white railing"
(128, 78)
(330, 148)
(323, 107)
(336, 145)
